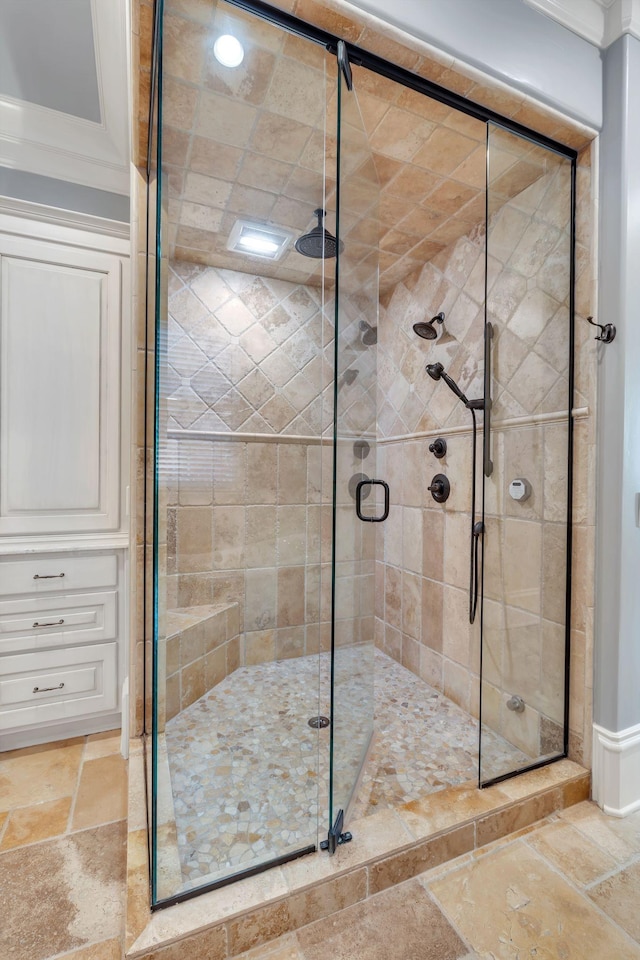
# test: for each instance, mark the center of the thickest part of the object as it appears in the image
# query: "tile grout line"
(40, 803)
(613, 873)
(5, 825)
(86, 946)
(595, 842)
(74, 796)
(454, 926)
(588, 901)
(61, 836)
(30, 806)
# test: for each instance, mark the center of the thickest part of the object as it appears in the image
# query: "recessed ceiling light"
(228, 51)
(257, 243)
(258, 239)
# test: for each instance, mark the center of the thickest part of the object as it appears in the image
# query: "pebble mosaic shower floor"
(249, 776)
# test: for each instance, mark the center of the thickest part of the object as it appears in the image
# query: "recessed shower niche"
(302, 568)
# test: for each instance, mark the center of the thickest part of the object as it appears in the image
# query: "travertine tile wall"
(425, 61)
(245, 353)
(266, 120)
(244, 524)
(245, 358)
(423, 569)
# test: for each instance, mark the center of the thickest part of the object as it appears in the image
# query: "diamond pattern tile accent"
(527, 305)
(245, 353)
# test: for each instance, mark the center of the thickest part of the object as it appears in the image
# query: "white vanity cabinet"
(59, 388)
(59, 638)
(64, 443)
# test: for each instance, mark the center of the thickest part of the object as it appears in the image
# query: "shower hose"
(477, 529)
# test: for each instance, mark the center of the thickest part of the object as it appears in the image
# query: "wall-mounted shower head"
(369, 333)
(437, 372)
(426, 329)
(318, 243)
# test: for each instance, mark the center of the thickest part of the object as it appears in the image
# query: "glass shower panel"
(357, 502)
(527, 496)
(238, 428)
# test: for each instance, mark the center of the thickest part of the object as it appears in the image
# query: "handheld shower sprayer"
(437, 372)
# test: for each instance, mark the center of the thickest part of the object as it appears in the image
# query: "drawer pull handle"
(47, 576)
(47, 689)
(51, 623)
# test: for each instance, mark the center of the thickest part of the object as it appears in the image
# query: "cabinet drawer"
(57, 684)
(58, 574)
(40, 622)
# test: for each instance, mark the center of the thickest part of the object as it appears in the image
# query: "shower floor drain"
(318, 722)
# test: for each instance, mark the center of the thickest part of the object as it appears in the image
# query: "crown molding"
(584, 17)
(55, 144)
(40, 212)
(600, 22)
(622, 17)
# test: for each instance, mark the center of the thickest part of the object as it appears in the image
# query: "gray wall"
(512, 42)
(617, 653)
(62, 194)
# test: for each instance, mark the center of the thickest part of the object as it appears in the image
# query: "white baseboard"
(616, 770)
(63, 730)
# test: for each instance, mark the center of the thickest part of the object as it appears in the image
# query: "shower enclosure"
(313, 655)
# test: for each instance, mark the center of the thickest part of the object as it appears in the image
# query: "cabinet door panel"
(59, 344)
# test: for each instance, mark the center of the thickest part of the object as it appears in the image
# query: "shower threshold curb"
(388, 847)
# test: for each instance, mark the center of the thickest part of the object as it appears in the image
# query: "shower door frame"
(486, 442)
(385, 68)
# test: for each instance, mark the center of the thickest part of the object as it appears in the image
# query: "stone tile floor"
(567, 888)
(63, 809)
(247, 785)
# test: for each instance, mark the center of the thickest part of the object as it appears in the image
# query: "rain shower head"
(437, 372)
(426, 329)
(369, 333)
(319, 242)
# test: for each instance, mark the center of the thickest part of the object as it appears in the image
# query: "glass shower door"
(527, 496)
(359, 496)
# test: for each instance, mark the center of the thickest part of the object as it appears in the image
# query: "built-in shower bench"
(203, 647)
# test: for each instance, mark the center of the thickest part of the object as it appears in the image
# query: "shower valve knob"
(440, 488)
(438, 448)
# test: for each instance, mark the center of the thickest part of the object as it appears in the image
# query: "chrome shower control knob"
(440, 488)
(516, 703)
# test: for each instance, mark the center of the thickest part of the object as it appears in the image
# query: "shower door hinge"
(336, 836)
(343, 63)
